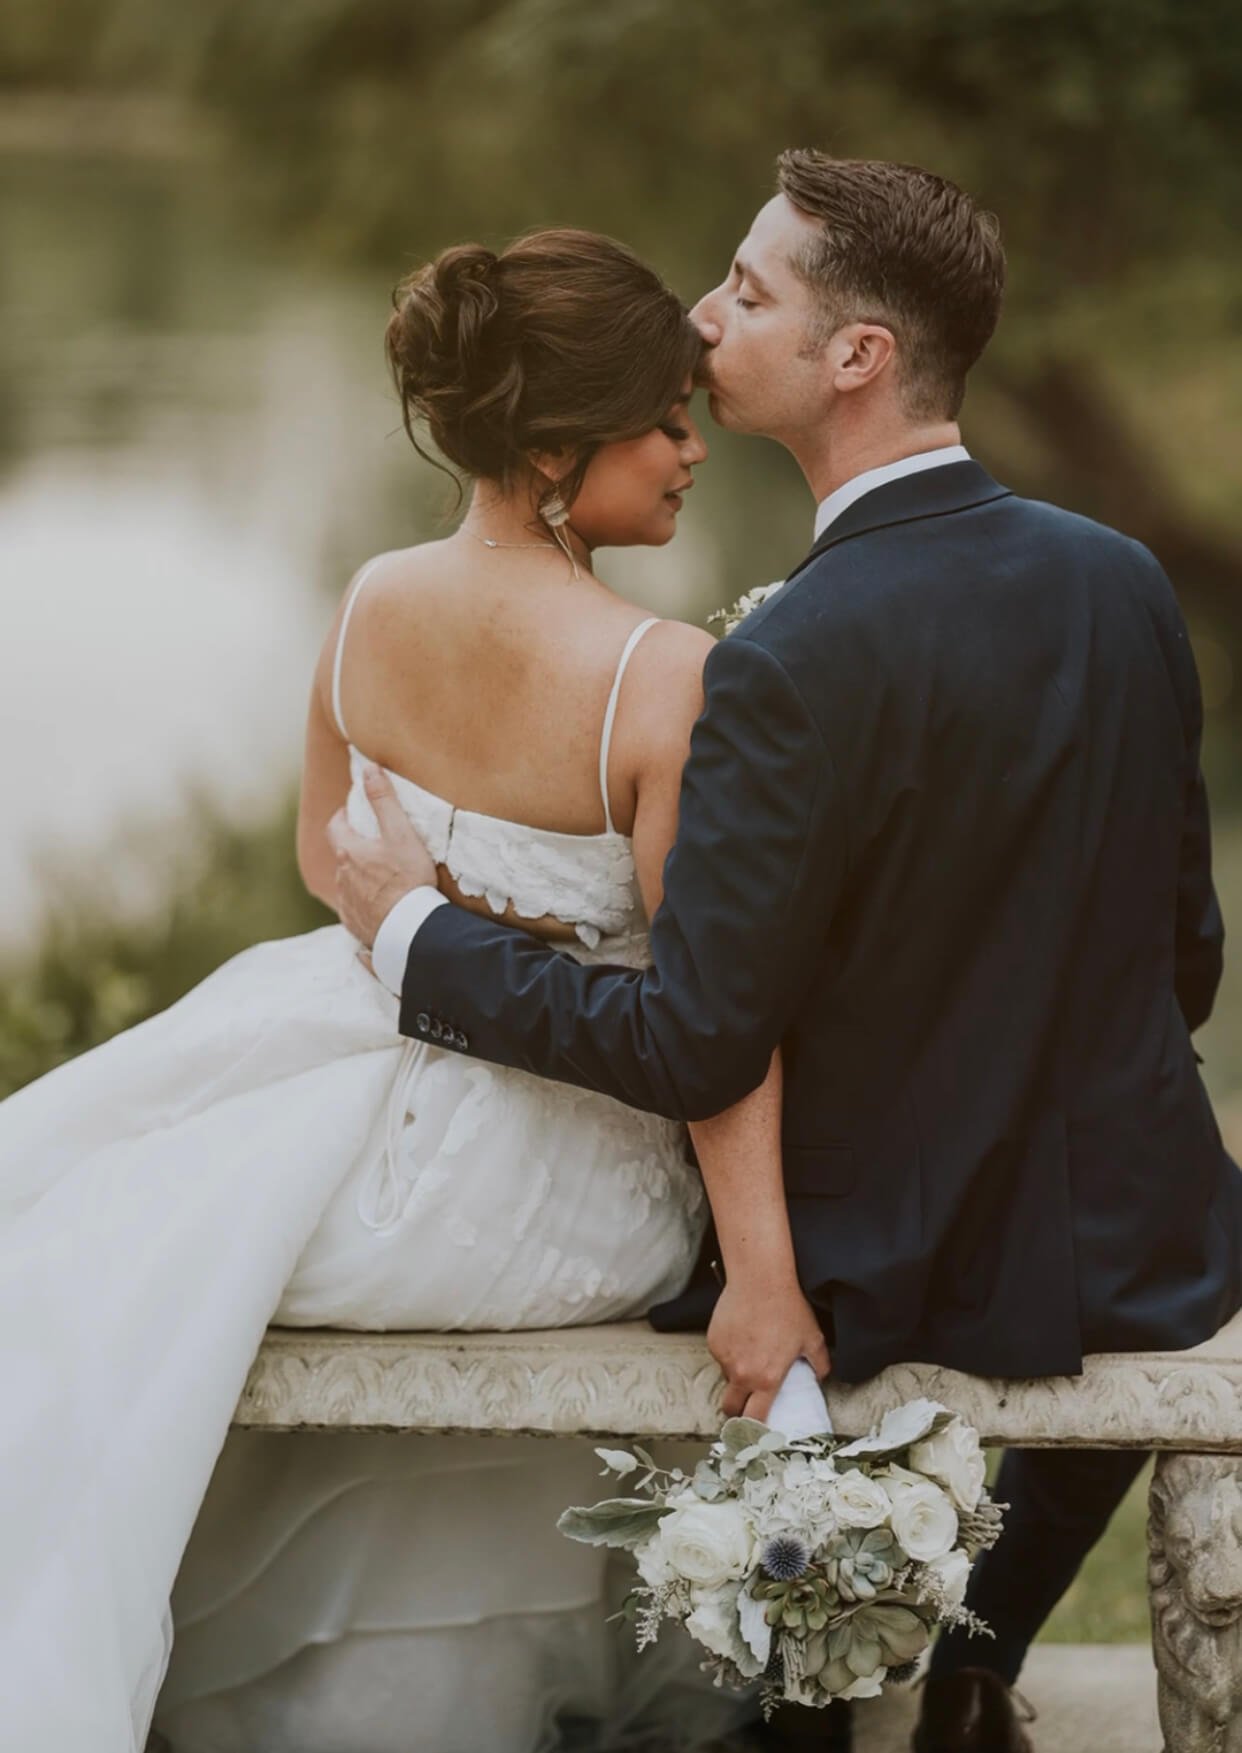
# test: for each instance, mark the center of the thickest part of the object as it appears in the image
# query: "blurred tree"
(1106, 136)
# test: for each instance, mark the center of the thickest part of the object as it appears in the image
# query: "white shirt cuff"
(391, 951)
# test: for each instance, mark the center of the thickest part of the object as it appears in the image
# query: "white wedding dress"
(270, 1149)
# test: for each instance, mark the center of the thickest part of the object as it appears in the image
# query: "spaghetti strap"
(610, 715)
(340, 641)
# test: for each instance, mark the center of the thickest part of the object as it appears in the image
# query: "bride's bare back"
(483, 675)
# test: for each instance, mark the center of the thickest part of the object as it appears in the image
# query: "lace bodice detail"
(584, 880)
(588, 881)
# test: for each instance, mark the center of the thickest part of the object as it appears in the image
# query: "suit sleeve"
(749, 889)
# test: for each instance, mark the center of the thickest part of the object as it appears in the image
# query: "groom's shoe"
(797, 1728)
(970, 1711)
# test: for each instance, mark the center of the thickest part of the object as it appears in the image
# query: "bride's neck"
(512, 520)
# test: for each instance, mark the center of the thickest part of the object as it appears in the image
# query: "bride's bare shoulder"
(384, 586)
(672, 655)
(401, 587)
(666, 689)
(396, 568)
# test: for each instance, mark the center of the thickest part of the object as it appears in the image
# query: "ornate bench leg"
(1194, 1576)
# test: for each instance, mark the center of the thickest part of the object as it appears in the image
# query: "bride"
(269, 1149)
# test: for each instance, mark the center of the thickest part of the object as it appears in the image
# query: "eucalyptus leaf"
(618, 1460)
(618, 1521)
(707, 1483)
(741, 1433)
(769, 1441)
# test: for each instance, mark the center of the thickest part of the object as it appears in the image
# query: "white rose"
(859, 1501)
(708, 1543)
(714, 1622)
(952, 1572)
(923, 1519)
(954, 1459)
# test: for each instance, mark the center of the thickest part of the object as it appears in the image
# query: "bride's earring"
(553, 509)
(555, 513)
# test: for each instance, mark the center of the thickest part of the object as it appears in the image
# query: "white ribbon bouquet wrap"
(799, 1408)
(814, 1567)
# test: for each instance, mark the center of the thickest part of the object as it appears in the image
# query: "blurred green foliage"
(95, 971)
(1107, 137)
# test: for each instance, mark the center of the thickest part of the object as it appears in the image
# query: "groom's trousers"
(1060, 1502)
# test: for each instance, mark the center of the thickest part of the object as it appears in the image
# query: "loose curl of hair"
(565, 341)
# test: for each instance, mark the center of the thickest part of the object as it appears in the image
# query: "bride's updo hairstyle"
(564, 341)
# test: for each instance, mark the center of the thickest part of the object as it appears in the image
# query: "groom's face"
(761, 370)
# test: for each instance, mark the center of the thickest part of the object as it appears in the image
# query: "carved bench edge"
(627, 1380)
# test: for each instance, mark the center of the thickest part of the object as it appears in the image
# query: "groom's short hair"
(905, 248)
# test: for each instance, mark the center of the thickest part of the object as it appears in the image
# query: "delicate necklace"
(489, 542)
(559, 542)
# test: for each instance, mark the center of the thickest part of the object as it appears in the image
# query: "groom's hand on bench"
(372, 875)
(757, 1331)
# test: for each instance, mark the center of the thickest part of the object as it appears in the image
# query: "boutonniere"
(737, 612)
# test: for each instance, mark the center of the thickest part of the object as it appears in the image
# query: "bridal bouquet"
(817, 1567)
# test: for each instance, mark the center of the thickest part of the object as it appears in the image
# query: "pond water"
(198, 445)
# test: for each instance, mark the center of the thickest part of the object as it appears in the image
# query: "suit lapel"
(934, 492)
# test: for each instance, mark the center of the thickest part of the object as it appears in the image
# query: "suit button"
(461, 1040)
(437, 1029)
(422, 1022)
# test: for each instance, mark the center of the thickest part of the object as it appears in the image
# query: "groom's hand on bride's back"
(373, 874)
(757, 1331)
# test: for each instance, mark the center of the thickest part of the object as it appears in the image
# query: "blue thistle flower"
(785, 1557)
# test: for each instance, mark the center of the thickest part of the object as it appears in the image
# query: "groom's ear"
(859, 354)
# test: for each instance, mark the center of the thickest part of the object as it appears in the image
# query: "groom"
(944, 837)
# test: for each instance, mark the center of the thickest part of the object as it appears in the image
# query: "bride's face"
(632, 491)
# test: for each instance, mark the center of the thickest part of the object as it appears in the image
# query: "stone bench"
(627, 1381)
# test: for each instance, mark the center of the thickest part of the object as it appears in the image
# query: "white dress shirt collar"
(832, 507)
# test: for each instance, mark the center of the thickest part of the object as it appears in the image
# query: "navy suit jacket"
(943, 836)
